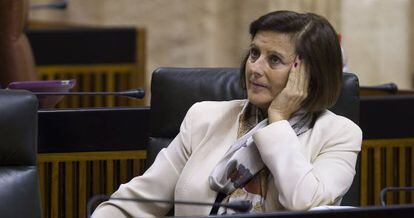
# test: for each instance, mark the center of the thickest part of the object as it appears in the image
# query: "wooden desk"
(85, 152)
(387, 156)
(99, 58)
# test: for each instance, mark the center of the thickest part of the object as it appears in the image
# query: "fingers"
(298, 81)
(292, 96)
(303, 79)
(293, 79)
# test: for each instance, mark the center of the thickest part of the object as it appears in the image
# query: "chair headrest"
(18, 127)
(348, 101)
(175, 90)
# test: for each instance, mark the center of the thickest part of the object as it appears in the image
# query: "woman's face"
(270, 59)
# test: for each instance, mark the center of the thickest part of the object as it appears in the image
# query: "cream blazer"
(313, 169)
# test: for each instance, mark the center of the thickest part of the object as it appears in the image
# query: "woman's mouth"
(256, 84)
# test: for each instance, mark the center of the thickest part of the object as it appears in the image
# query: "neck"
(263, 113)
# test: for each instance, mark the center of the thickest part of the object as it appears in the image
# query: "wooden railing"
(96, 78)
(387, 163)
(68, 180)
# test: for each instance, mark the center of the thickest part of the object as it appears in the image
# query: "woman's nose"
(258, 67)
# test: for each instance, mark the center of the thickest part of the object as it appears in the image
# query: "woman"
(281, 149)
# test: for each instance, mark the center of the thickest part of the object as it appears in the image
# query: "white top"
(310, 170)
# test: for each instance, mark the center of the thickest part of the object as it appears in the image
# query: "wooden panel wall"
(101, 77)
(68, 180)
(387, 163)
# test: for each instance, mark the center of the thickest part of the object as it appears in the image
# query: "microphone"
(57, 4)
(239, 206)
(133, 93)
(388, 87)
(393, 189)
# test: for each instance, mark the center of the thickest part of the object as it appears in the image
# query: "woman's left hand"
(292, 96)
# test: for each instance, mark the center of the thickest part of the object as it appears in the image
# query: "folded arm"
(303, 184)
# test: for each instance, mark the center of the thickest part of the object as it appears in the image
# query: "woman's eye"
(254, 54)
(274, 60)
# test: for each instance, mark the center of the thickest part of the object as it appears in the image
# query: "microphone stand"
(239, 206)
(391, 88)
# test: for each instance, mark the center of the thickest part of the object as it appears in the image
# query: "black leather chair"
(19, 181)
(174, 90)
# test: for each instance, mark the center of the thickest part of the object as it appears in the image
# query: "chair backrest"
(19, 181)
(174, 90)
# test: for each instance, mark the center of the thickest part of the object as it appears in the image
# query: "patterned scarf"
(241, 173)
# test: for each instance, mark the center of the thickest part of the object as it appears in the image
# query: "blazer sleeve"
(303, 184)
(158, 182)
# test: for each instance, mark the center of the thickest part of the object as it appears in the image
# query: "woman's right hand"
(290, 99)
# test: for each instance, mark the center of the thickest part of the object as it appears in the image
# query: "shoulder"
(338, 128)
(207, 114)
(216, 108)
(211, 119)
(328, 119)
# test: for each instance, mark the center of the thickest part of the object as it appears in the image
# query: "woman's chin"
(259, 103)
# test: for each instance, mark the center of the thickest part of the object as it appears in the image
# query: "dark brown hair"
(316, 44)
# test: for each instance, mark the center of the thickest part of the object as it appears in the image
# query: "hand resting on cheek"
(290, 99)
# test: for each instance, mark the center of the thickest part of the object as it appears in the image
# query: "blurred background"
(377, 35)
(115, 45)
